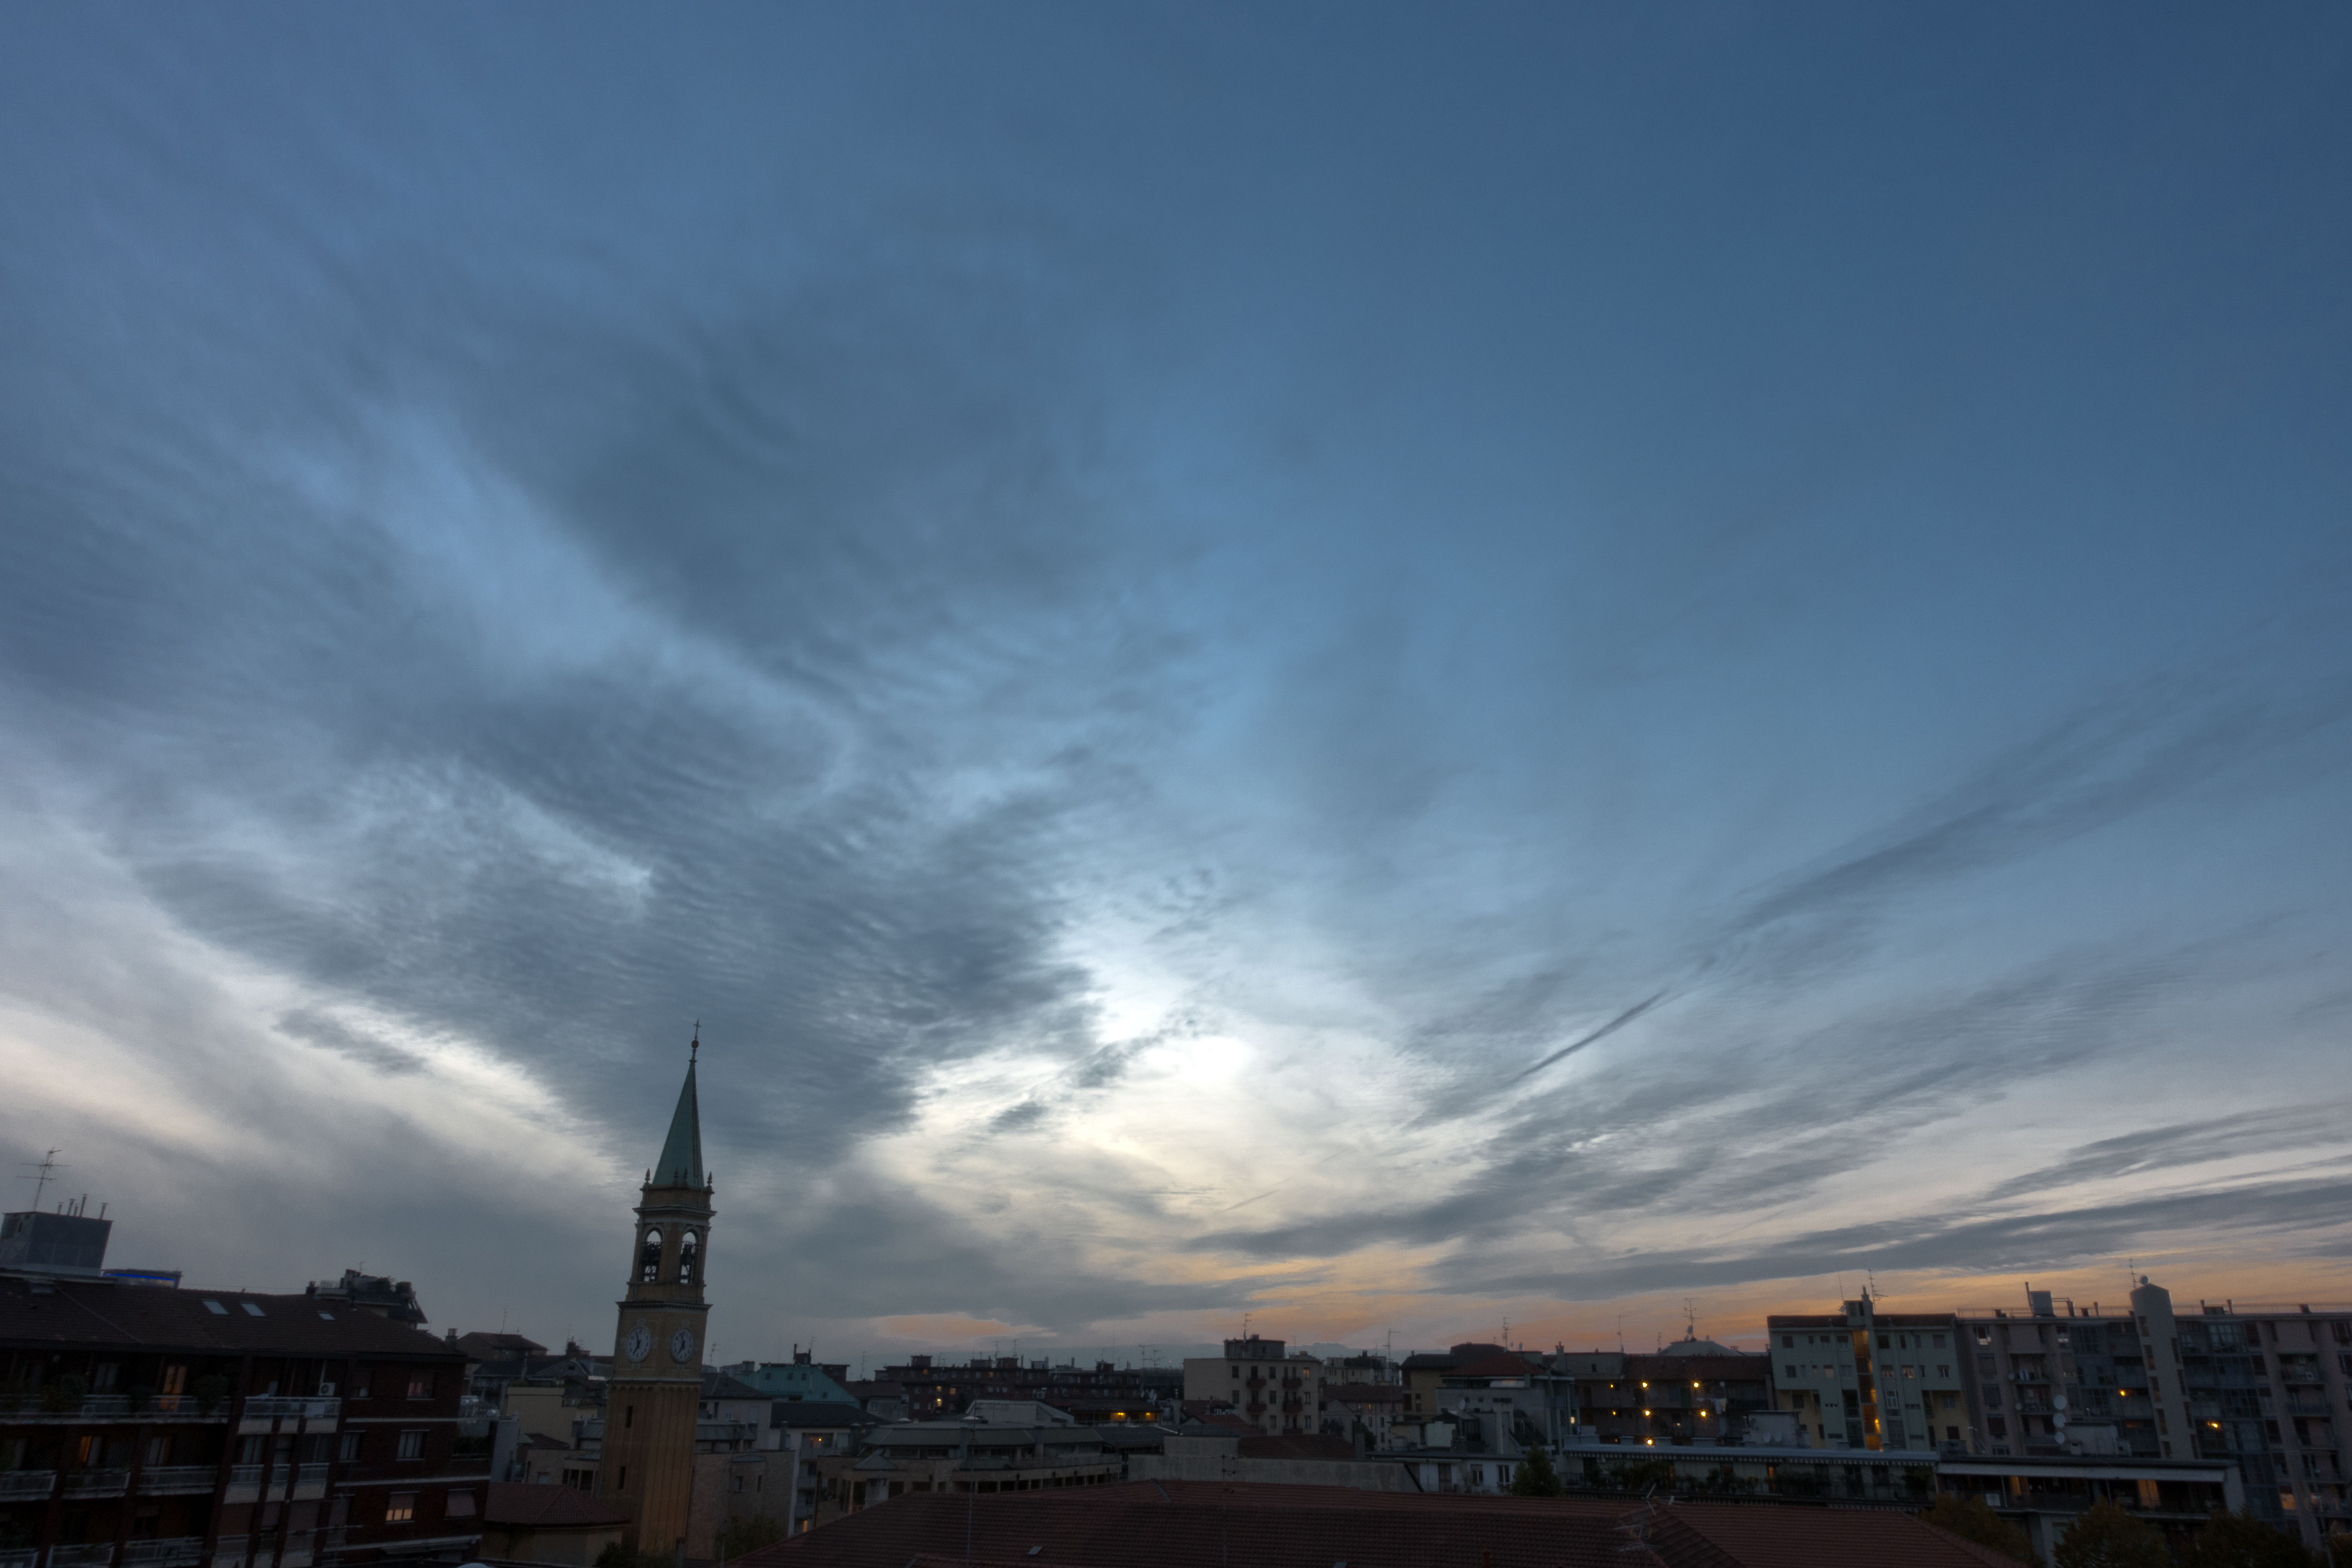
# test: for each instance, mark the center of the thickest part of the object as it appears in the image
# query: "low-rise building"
(969, 1456)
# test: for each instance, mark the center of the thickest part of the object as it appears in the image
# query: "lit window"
(400, 1508)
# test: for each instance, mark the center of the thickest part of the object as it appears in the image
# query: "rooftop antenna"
(694, 1047)
(1690, 1319)
(45, 1170)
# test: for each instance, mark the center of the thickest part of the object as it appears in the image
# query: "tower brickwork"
(647, 1467)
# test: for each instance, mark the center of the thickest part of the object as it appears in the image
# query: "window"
(159, 1452)
(412, 1444)
(104, 1376)
(1788, 1342)
(686, 1256)
(1943, 1369)
(628, 1416)
(175, 1379)
(1939, 1342)
(1997, 1425)
(420, 1386)
(460, 1505)
(252, 1309)
(400, 1508)
(249, 1450)
(621, 1485)
(351, 1448)
(649, 1257)
(211, 1306)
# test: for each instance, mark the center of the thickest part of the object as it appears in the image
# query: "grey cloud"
(371, 1050)
(1959, 1243)
(2182, 1144)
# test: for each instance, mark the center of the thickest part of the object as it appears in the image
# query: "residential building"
(157, 1427)
(733, 1418)
(548, 1524)
(1864, 1378)
(963, 1456)
(1424, 1372)
(929, 1387)
(811, 1434)
(1278, 1393)
(652, 1410)
(1254, 1459)
(1362, 1412)
(2044, 1496)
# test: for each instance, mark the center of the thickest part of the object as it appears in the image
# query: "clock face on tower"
(640, 1342)
(681, 1345)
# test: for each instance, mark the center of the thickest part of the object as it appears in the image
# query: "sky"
(1412, 673)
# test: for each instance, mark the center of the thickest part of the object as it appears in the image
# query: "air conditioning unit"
(326, 1390)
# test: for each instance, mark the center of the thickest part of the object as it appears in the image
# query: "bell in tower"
(647, 1467)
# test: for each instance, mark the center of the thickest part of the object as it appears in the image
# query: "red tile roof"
(518, 1505)
(1204, 1524)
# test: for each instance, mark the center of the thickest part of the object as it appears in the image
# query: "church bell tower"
(648, 1468)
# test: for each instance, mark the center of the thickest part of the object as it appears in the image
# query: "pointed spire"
(681, 1155)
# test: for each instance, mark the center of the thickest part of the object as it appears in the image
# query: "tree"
(2104, 1536)
(2242, 1540)
(1535, 1477)
(740, 1535)
(1967, 1517)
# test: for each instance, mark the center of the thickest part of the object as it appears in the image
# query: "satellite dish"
(2061, 1419)
(2059, 1403)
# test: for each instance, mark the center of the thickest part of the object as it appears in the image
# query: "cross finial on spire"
(694, 1047)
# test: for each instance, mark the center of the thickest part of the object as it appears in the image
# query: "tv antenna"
(45, 1170)
(1690, 1318)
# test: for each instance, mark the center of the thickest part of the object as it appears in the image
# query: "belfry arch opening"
(649, 1257)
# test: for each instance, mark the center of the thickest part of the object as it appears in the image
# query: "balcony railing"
(161, 1480)
(163, 1553)
(20, 1557)
(313, 1409)
(18, 1485)
(97, 1483)
(93, 1554)
(229, 1549)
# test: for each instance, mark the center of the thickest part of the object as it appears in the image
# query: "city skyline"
(1384, 670)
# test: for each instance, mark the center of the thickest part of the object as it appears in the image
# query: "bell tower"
(648, 1468)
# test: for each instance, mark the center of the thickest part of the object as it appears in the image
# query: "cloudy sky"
(1394, 670)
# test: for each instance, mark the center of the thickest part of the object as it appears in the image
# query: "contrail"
(1610, 1027)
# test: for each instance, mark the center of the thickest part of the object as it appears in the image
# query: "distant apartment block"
(1861, 1378)
(1280, 1394)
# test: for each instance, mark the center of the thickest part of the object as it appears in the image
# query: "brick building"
(1280, 1394)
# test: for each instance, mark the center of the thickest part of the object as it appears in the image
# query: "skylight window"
(326, 1316)
(250, 1308)
(215, 1307)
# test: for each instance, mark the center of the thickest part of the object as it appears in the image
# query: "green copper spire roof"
(681, 1155)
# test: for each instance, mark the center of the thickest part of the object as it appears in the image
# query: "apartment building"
(151, 1426)
(1278, 1393)
(1862, 1378)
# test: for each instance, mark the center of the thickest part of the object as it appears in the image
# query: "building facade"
(147, 1426)
(653, 1406)
(1861, 1378)
(1277, 1393)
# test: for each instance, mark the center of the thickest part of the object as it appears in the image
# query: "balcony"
(230, 1550)
(298, 1553)
(115, 1407)
(309, 1483)
(94, 1554)
(169, 1481)
(244, 1483)
(308, 1409)
(97, 1483)
(2303, 1376)
(169, 1554)
(20, 1557)
(21, 1486)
